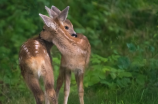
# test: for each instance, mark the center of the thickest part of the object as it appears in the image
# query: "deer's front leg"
(67, 78)
(79, 81)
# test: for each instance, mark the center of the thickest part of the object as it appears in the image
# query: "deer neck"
(47, 43)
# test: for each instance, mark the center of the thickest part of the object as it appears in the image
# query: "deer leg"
(60, 81)
(79, 81)
(67, 78)
(46, 98)
(33, 84)
(49, 85)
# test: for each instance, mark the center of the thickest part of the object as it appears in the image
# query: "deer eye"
(66, 27)
(43, 29)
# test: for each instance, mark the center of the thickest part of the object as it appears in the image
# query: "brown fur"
(76, 61)
(75, 53)
(35, 61)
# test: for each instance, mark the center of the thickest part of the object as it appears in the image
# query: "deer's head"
(59, 30)
(54, 12)
(54, 23)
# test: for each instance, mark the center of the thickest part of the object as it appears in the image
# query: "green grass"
(131, 95)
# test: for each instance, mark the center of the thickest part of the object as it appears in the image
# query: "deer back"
(34, 54)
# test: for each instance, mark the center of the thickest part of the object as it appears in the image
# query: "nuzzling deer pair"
(35, 59)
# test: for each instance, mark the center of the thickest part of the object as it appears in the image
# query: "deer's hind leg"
(33, 83)
(48, 78)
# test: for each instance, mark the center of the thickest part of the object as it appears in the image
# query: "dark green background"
(123, 34)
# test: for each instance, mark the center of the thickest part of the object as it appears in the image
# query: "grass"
(130, 95)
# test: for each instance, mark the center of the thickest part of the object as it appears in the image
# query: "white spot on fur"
(36, 42)
(23, 45)
(26, 49)
(53, 25)
(39, 73)
(36, 46)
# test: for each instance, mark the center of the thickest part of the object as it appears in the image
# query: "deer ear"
(56, 10)
(51, 12)
(63, 15)
(48, 21)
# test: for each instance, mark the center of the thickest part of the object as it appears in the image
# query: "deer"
(35, 59)
(75, 54)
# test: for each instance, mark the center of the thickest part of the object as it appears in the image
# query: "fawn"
(35, 60)
(75, 51)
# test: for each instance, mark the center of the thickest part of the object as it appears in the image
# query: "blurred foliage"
(123, 36)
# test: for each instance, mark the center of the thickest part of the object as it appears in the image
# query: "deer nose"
(74, 35)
